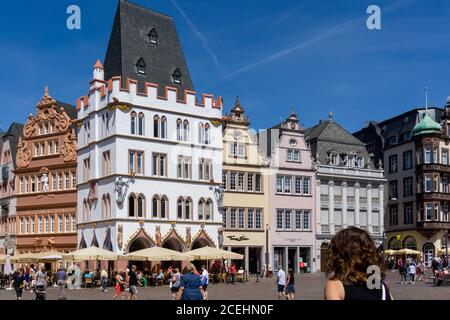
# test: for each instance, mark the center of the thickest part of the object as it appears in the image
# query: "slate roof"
(330, 136)
(129, 42)
(13, 134)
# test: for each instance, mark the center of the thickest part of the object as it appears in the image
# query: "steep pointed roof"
(13, 134)
(130, 41)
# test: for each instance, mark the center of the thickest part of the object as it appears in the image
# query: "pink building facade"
(292, 197)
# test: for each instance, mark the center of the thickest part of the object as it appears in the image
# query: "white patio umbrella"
(210, 253)
(156, 254)
(91, 254)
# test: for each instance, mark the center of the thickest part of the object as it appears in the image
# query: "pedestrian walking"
(133, 283)
(175, 283)
(120, 285)
(190, 286)
(281, 283)
(19, 283)
(205, 281)
(290, 285)
(232, 271)
(61, 278)
(104, 280)
(351, 252)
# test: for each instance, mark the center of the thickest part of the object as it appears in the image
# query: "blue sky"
(314, 55)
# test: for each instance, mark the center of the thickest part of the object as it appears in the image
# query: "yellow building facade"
(245, 209)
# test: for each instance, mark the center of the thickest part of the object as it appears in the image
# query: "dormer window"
(141, 67)
(153, 36)
(334, 159)
(177, 76)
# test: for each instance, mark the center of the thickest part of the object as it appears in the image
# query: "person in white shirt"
(281, 283)
(205, 281)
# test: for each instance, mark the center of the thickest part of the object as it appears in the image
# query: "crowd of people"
(412, 270)
(190, 284)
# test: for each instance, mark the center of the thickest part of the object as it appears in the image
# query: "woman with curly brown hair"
(351, 253)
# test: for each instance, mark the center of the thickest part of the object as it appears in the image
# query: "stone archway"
(202, 239)
(139, 244)
(140, 240)
(174, 244)
(200, 243)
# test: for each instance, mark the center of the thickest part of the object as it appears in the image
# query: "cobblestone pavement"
(309, 287)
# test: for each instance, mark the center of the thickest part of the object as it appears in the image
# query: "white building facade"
(149, 168)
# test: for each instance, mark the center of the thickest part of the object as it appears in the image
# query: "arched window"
(394, 244)
(410, 243)
(180, 209)
(176, 76)
(155, 207)
(207, 134)
(141, 67)
(131, 206)
(208, 211)
(163, 128)
(201, 136)
(187, 209)
(179, 130)
(141, 124)
(156, 127)
(201, 209)
(163, 210)
(186, 130)
(133, 122)
(153, 36)
(140, 206)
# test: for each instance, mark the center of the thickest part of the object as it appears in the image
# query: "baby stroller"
(40, 293)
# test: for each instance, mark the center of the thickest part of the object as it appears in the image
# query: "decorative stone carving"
(46, 99)
(30, 127)
(120, 236)
(23, 154)
(64, 122)
(188, 237)
(158, 236)
(69, 147)
(220, 238)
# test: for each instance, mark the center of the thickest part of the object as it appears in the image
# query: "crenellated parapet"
(103, 93)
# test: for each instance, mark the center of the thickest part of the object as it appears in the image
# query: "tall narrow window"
(141, 124)
(155, 207)
(156, 127)
(186, 130)
(207, 134)
(131, 206)
(140, 206)
(163, 211)
(188, 209)
(179, 130)
(141, 66)
(208, 210)
(133, 122)
(201, 209)
(163, 128)
(180, 209)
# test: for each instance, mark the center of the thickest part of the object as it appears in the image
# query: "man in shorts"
(133, 283)
(281, 282)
